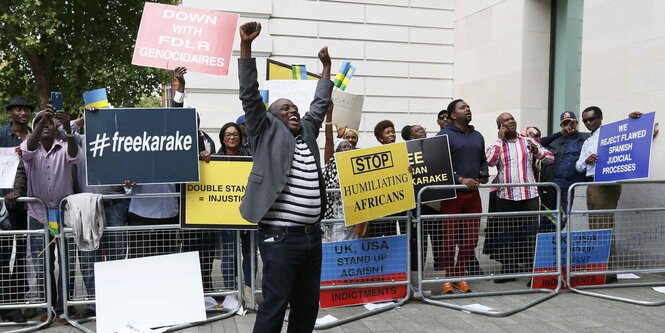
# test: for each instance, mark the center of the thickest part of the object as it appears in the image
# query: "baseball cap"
(568, 115)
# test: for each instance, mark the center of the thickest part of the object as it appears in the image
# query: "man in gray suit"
(285, 194)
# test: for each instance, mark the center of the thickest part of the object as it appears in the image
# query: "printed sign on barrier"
(147, 146)
(432, 165)
(215, 200)
(590, 251)
(174, 36)
(368, 260)
(624, 149)
(9, 160)
(375, 182)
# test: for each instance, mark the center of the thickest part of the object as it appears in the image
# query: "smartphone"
(56, 100)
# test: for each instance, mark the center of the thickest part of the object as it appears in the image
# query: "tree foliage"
(73, 46)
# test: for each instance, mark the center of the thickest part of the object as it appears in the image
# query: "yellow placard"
(215, 200)
(280, 71)
(375, 182)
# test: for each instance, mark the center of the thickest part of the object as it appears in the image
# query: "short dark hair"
(596, 111)
(225, 127)
(406, 132)
(381, 126)
(451, 106)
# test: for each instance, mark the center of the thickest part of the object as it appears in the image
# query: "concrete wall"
(502, 61)
(402, 48)
(623, 67)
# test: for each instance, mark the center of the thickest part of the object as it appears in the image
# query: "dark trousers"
(460, 233)
(600, 198)
(291, 274)
(516, 234)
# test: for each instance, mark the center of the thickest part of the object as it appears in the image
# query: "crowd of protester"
(52, 167)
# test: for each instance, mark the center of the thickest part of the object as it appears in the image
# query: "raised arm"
(329, 148)
(179, 96)
(256, 119)
(319, 105)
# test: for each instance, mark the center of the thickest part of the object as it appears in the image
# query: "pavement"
(566, 312)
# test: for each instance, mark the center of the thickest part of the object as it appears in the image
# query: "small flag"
(299, 72)
(96, 98)
(53, 225)
(264, 96)
(344, 75)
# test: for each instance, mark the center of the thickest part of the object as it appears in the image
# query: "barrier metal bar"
(437, 300)
(67, 274)
(407, 282)
(648, 221)
(46, 301)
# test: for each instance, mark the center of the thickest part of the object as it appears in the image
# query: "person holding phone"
(48, 165)
(513, 155)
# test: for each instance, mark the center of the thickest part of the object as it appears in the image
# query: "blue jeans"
(113, 244)
(291, 274)
(36, 246)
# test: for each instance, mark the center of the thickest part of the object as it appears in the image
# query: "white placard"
(8, 164)
(300, 92)
(154, 291)
(348, 109)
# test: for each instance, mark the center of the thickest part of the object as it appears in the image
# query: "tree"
(73, 46)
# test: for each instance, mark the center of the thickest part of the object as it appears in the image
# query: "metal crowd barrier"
(377, 229)
(635, 243)
(511, 239)
(142, 241)
(15, 252)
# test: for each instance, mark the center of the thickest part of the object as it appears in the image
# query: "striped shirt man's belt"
(303, 229)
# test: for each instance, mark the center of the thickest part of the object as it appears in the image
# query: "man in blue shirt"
(566, 146)
(467, 151)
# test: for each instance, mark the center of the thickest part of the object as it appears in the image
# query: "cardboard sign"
(155, 291)
(174, 36)
(148, 146)
(375, 182)
(363, 261)
(215, 200)
(9, 160)
(300, 92)
(432, 165)
(348, 109)
(624, 149)
(590, 251)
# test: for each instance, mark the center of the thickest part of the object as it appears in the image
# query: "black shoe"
(611, 278)
(528, 284)
(14, 316)
(503, 280)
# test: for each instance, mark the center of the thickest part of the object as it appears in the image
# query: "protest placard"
(348, 109)
(375, 182)
(276, 70)
(590, 250)
(363, 261)
(174, 36)
(156, 291)
(147, 146)
(624, 149)
(300, 92)
(214, 202)
(8, 163)
(431, 163)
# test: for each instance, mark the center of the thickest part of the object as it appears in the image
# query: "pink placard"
(173, 36)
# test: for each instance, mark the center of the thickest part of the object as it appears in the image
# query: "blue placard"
(624, 149)
(587, 247)
(363, 257)
(147, 146)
